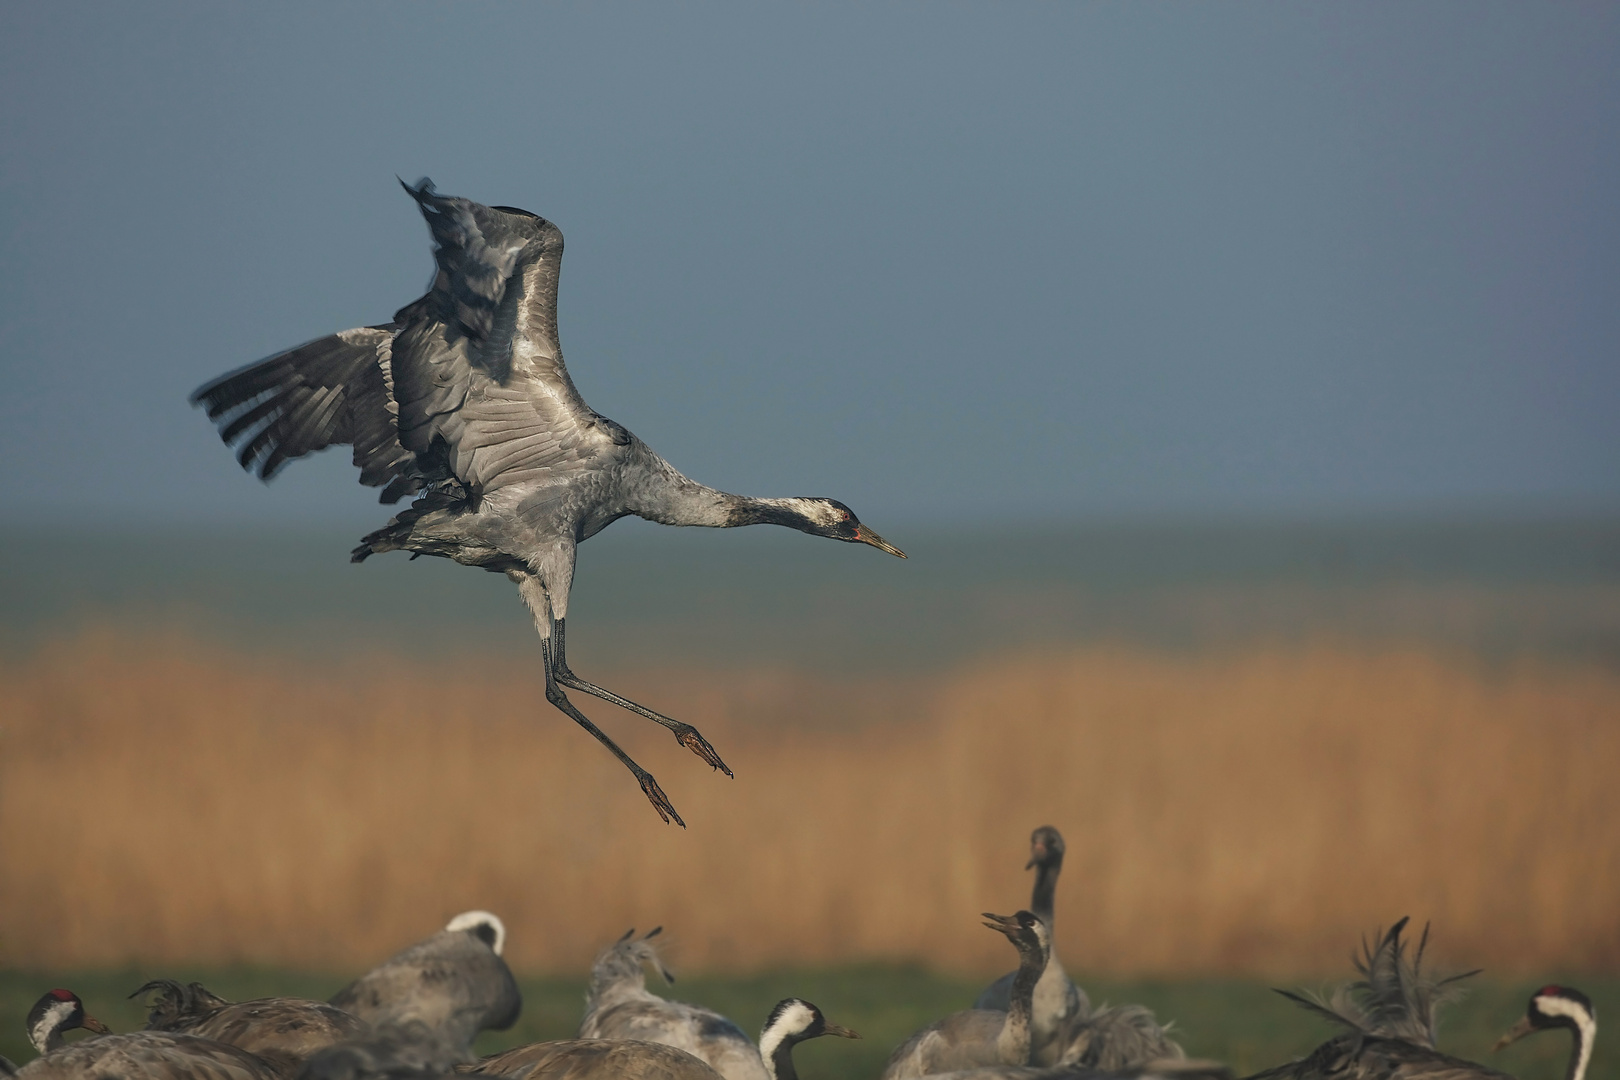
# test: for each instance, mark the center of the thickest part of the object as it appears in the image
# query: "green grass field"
(1240, 1022)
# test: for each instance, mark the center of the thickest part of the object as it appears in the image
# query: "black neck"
(782, 1060)
(1044, 895)
(1031, 964)
(746, 510)
(1577, 1054)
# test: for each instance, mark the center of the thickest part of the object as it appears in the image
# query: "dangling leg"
(649, 786)
(534, 594)
(685, 734)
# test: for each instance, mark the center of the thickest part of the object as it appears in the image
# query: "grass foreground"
(1240, 1022)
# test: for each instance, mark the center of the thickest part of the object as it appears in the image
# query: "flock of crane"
(414, 1017)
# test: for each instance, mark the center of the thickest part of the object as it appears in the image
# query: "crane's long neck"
(1044, 896)
(1580, 1055)
(777, 1051)
(658, 492)
(615, 978)
(46, 1034)
(1014, 1043)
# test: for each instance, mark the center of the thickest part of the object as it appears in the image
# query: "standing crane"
(463, 401)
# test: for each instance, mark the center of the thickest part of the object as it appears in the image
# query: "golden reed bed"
(165, 802)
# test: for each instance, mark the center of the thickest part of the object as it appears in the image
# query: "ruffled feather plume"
(1394, 998)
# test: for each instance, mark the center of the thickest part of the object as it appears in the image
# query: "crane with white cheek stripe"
(791, 1022)
(1559, 1007)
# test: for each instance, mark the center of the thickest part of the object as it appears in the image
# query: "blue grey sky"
(945, 262)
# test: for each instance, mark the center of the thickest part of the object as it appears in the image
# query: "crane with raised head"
(1057, 1000)
(462, 400)
(973, 1038)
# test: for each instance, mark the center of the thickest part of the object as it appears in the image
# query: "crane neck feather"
(1043, 898)
(778, 1057)
(46, 1034)
(787, 1026)
(673, 499)
(660, 492)
(1584, 1033)
(1015, 1041)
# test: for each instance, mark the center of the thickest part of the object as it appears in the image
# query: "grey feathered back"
(622, 967)
(596, 1059)
(618, 1006)
(1393, 998)
(1118, 1039)
(148, 1055)
(176, 1007)
(284, 1031)
(1158, 1070)
(453, 982)
(408, 1051)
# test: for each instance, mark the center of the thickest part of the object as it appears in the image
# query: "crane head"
(834, 520)
(1554, 1007)
(1045, 847)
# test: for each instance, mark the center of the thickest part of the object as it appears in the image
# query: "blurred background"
(1241, 381)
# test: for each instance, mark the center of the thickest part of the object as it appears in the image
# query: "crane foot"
(688, 736)
(660, 801)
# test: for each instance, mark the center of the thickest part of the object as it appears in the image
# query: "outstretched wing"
(476, 363)
(335, 390)
(469, 380)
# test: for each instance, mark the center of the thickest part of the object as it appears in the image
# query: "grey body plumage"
(596, 1059)
(604, 1058)
(1157, 1070)
(410, 1050)
(463, 401)
(139, 1055)
(454, 984)
(1117, 1039)
(149, 1055)
(619, 1006)
(283, 1031)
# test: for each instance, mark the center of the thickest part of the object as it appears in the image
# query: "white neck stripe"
(50, 1024)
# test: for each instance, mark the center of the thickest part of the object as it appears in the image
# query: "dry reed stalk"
(165, 802)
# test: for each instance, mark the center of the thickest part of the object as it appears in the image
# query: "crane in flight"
(463, 402)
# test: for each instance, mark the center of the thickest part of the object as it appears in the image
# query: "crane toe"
(660, 801)
(688, 736)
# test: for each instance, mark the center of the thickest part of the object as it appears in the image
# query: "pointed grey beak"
(867, 536)
(841, 1032)
(1519, 1031)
